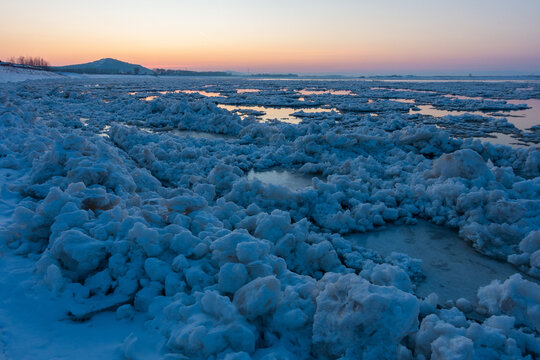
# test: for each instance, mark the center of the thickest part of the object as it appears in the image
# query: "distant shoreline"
(83, 70)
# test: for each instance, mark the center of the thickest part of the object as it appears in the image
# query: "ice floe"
(197, 238)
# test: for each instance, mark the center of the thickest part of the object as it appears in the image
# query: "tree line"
(29, 61)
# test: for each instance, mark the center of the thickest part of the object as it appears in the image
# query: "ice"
(231, 277)
(447, 261)
(79, 254)
(201, 135)
(357, 319)
(464, 163)
(228, 243)
(529, 256)
(515, 297)
(282, 178)
(258, 297)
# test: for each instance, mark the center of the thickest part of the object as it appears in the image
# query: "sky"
(384, 37)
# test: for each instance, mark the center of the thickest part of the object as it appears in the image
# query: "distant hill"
(113, 66)
(105, 66)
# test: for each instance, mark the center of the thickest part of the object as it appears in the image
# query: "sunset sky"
(339, 36)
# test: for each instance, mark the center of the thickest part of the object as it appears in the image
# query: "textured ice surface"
(117, 211)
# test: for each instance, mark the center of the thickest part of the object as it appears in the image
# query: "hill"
(105, 66)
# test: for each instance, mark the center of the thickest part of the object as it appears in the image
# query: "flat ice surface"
(282, 178)
(452, 267)
(201, 134)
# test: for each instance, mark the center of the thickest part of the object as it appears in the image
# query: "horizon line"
(342, 73)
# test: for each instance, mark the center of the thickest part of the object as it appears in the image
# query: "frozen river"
(453, 269)
(211, 217)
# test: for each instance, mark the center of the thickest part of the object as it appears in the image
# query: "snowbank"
(15, 74)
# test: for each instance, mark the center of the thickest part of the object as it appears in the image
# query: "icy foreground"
(115, 212)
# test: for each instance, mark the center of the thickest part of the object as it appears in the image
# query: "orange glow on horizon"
(305, 36)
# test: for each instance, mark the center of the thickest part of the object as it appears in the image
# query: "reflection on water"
(282, 178)
(525, 119)
(503, 139)
(521, 119)
(411, 90)
(243, 91)
(494, 138)
(452, 267)
(463, 97)
(200, 92)
(164, 92)
(430, 110)
(265, 113)
(321, 92)
(406, 101)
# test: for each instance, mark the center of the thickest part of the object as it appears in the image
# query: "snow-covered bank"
(15, 74)
(221, 265)
(34, 325)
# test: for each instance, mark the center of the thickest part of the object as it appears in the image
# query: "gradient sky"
(333, 36)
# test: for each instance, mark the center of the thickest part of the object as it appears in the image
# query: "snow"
(516, 297)
(123, 238)
(34, 325)
(361, 320)
(107, 66)
(14, 74)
